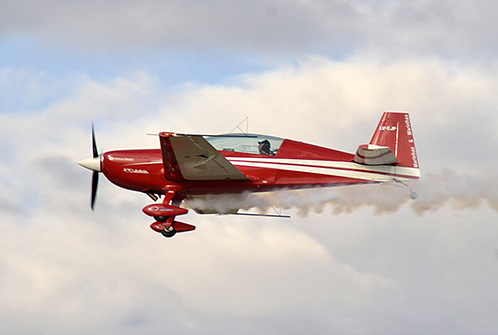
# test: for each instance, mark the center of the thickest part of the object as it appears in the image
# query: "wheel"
(168, 232)
(161, 218)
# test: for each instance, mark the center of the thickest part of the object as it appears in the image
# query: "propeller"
(93, 164)
(95, 176)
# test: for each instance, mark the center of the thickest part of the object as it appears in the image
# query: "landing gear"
(161, 218)
(168, 229)
(168, 232)
(165, 214)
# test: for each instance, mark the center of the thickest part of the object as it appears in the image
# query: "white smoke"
(461, 190)
(434, 189)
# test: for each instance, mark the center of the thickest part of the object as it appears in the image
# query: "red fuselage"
(295, 165)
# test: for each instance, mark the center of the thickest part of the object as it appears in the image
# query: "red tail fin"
(395, 131)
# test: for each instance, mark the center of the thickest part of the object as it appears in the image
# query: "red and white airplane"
(189, 166)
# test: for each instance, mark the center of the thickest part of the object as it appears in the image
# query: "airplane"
(187, 166)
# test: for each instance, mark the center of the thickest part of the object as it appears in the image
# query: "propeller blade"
(94, 144)
(95, 176)
(95, 183)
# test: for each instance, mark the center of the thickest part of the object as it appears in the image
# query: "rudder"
(395, 131)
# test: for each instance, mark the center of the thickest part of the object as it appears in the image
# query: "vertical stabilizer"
(395, 131)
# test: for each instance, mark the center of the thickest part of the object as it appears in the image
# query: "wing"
(191, 157)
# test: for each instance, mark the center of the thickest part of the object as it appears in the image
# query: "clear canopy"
(246, 143)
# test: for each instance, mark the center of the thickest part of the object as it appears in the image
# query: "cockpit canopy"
(246, 143)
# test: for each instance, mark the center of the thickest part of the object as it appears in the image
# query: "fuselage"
(293, 165)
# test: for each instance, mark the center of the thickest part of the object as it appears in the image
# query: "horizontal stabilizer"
(374, 155)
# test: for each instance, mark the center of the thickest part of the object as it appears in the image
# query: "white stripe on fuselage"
(330, 168)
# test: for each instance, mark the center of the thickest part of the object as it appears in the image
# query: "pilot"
(264, 148)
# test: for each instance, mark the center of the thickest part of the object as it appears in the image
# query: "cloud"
(66, 268)
(87, 273)
(393, 28)
(175, 23)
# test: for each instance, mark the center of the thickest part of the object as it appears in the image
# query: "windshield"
(246, 143)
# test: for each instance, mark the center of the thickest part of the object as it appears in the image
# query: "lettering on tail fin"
(395, 131)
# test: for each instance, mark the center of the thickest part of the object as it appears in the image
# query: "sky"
(352, 260)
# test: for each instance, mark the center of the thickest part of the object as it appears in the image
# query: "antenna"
(246, 120)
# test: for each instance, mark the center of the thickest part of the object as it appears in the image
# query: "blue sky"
(51, 65)
(349, 261)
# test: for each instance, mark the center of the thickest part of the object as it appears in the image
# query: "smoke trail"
(435, 190)
(461, 190)
(341, 200)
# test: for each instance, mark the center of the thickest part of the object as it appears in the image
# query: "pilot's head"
(264, 146)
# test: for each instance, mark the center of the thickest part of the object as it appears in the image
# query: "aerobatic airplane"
(189, 166)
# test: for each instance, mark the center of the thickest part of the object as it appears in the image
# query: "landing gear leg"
(165, 215)
(171, 198)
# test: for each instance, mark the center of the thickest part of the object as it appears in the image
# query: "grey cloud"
(154, 23)
(395, 28)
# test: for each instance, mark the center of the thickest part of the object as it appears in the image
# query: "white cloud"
(67, 269)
